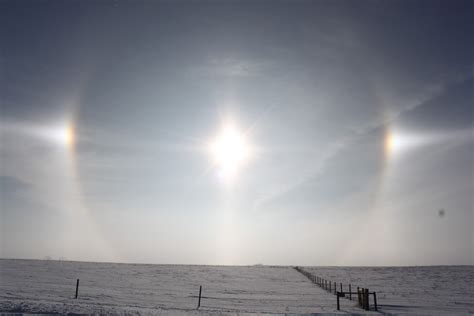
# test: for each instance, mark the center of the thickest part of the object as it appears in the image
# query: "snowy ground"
(33, 286)
(447, 290)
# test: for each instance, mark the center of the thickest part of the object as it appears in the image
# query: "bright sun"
(229, 151)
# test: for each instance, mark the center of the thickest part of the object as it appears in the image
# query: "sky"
(237, 132)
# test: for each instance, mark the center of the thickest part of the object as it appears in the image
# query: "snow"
(35, 286)
(429, 290)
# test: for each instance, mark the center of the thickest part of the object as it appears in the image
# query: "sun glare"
(229, 151)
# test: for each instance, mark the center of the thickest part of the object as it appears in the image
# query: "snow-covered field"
(35, 286)
(446, 290)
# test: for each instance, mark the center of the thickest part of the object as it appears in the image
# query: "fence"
(198, 297)
(362, 293)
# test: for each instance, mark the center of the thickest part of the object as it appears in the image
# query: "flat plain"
(40, 286)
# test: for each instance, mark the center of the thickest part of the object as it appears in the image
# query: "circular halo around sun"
(230, 151)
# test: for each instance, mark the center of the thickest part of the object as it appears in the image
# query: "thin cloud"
(230, 67)
(337, 147)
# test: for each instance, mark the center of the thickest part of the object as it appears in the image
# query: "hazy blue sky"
(358, 119)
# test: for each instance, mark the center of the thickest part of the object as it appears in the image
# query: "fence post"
(366, 296)
(362, 290)
(341, 286)
(77, 288)
(350, 292)
(359, 298)
(338, 306)
(375, 301)
(199, 301)
(362, 297)
(330, 284)
(335, 287)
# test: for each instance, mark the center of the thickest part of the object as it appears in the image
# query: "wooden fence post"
(359, 298)
(335, 287)
(77, 288)
(375, 301)
(199, 301)
(366, 299)
(350, 292)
